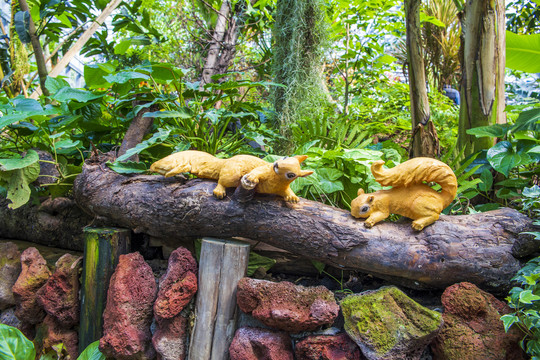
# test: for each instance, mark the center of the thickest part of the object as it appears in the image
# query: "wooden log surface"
(477, 248)
(222, 265)
(103, 247)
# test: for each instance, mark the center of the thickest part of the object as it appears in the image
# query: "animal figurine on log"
(246, 170)
(410, 196)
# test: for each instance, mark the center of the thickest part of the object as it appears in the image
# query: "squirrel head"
(289, 169)
(362, 206)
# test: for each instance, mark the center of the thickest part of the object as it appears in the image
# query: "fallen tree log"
(477, 248)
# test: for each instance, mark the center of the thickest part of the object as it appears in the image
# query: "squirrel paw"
(249, 182)
(369, 223)
(220, 192)
(291, 198)
(417, 225)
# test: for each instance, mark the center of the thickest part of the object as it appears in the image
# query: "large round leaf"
(503, 157)
(14, 345)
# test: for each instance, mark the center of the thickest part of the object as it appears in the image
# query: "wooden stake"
(102, 248)
(223, 263)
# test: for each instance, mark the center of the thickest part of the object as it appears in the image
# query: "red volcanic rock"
(254, 344)
(327, 347)
(60, 295)
(57, 334)
(286, 306)
(472, 327)
(10, 268)
(177, 286)
(34, 275)
(128, 313)
(170, 339)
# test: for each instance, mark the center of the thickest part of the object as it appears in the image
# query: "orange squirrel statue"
(250, 171)
(409, 195)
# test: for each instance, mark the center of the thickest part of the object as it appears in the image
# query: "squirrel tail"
(417, 171)
(196, 162)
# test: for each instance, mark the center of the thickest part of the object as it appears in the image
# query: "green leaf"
(67, 93)
(522, 52)
(497, 131)
(66, 146)
(528, 120)
(503, 158)
(532, 192)
(183, 113)
(122, 47)
(509, 320)
(328, 180)
(125, 76)
(94, 76)
(257, 261)
(527, 297)
(19, 163)
(487, 180)
(318, 265)
(22, 26)
(14, 345)
(18, 181)
(55, 84)
(92, 352)
(128, 167)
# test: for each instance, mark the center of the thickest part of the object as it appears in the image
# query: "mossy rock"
(387, 324)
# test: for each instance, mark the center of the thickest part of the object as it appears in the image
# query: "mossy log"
(103, 247)
(478, 248)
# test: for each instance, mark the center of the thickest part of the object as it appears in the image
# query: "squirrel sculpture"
(409, 195)
(250, 171)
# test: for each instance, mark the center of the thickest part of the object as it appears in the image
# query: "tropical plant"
(524, 299)
(15, 346)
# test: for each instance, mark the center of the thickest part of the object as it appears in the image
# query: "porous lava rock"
(7, 317)
(56, 333)
(170, 338)
(254, 344)
(59, 297)
(285, 306)
(34, 274)
(176, 289)
(128, 312)
(387, 324)
(472, 327)
(177, 286)
(10, 268)
(327, 347)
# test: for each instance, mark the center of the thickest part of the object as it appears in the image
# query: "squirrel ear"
(360, 192)
(305, 173)
(301, 158)
(370, 199)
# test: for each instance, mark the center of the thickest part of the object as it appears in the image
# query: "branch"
(477, 248)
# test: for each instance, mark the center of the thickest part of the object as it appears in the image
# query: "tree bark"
(482, 65)
(56, 222)
(38, 51)
(476, 248)
(423, 141)
(215, 45)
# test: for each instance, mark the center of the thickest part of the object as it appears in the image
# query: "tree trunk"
(215, 45)
(74, 50)
(477, 248)
(424, 141)
(38, 51)
(56, 222)
(482, 65)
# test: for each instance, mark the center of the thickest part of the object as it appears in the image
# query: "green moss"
(386, 317)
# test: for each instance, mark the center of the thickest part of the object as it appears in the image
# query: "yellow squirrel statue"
(250, 171)
(409, 195)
